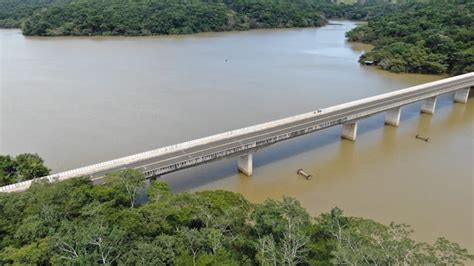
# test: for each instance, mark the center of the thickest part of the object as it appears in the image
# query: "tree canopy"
(76, 222)
(20, 168)
(151, 17)
(409, 35)
(434, 37)
(13, 11)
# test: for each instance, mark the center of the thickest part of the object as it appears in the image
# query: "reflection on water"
(77, 101)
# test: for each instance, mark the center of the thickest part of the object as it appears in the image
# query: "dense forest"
(362, 12)
(76, 223)
(147, 17)
(409, 36)
(12, 12)
(435, 37)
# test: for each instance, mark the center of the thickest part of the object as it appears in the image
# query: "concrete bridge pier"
(349, 131)
(429, 105)
(461, 95)
(392, 117)
(245, 164)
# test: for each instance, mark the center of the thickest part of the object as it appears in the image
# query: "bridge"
(242, 143)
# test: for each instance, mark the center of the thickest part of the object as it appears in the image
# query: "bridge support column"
(349, 131)
(461, 95)
(429, 105)
(392, 117)
(245, 164)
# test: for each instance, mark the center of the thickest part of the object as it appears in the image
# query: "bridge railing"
(123, 161)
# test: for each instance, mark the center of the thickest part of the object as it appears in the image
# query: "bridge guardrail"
(123, 161)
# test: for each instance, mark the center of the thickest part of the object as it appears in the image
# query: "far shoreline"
(333, 21)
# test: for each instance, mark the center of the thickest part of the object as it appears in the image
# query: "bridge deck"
(187, 154)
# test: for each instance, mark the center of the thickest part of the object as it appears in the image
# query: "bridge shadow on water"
(196, 177)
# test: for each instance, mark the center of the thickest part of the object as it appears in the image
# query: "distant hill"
(150, 17)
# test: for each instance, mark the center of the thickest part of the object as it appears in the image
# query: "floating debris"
(422, 138)
(303, 173)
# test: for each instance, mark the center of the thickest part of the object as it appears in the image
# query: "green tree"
(30, 254)
(89, 242)
(127, 181)
(366, 242)
(283, 227)
(7, 170)
(146, 17)
(420, 37)
(30, 166)
(160, 251)
(20, 168)
(74, 222)
(158, 190)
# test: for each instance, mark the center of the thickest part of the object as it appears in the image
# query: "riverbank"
(104, 224)
(412, 46)
(404, 44)
(141, 18)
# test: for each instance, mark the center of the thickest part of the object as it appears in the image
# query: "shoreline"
(160, 35)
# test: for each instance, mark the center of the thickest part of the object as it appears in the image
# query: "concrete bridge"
(242, 143)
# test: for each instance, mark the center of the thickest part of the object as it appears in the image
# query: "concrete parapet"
(349, 131)
(429, 105)
(461, 95)
(245, 164)
(392, 117)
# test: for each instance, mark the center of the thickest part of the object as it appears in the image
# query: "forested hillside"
(362, 12)
(13, 11)
(75, 223)
(434, 37)
(409, 36)
(146, 17)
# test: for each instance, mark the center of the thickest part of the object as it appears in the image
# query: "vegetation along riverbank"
(432, 37)
(435, 37)
(20, 168)
(75, 222)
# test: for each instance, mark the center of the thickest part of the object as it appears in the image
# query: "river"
(81, 100)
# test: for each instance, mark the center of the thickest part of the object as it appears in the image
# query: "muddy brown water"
(78, 101)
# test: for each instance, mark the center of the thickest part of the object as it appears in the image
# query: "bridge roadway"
(246, 140)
